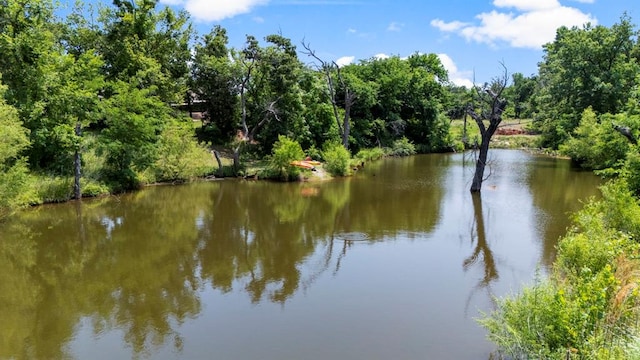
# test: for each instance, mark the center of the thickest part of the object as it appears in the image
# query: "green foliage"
(134, 118)
(631, 171)
(398, 98)
(596, 145)
(337, 158)
(91, 188)
(215, 80)
(284, 151)
(314, 153)
(52, 189)
(520, 95)
(593, 66)
(370, 154)
(180, 157)
(588, 306)
(402, 147)
(148, 46)
(13, 167)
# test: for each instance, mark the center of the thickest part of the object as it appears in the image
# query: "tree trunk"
(481, 163)
(77, 165)
(236, 159)
(220, 172)
(347, 126)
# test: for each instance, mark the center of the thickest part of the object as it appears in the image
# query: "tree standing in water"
(491, 106)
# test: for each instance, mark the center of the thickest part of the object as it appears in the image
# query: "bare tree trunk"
(492, 108)
(481, 163)
(236, 159)
(220, 171)
(347, 115)
(77, 165)
(349, 96)
(626, 132)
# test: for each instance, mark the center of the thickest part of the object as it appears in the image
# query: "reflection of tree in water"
(557, 189)
(260, 234)
(128, 267)
(138, 263)
(481, 250)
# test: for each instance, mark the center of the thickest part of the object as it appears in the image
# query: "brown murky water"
(394, 263)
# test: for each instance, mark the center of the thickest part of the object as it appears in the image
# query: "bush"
(92, 188)
(402, 147)
(14, 190)
(595, 144)
(336, 158)
(53, 189)
(284, 151)
(180, 157)
(589, 305)
(631, 172)
(370, 154)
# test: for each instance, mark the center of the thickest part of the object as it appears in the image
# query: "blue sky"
(472, 37)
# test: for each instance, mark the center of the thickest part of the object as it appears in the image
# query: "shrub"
(92, 188)
(180, 157)
(53, 189)
(402, 147)
(370, 154)
(284, 151)
(336, 158)
(595, 144)
(589, 305)
(631, 170)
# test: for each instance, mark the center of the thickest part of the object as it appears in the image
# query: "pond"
(395, 262)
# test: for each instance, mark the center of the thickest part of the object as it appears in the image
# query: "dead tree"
(329, 69)
(626, 132)
(491, 106)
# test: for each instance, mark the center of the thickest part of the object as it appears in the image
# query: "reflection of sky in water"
(110, 224)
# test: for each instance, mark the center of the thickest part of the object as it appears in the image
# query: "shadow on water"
(192, 271)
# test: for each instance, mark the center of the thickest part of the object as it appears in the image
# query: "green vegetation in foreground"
(589, 306)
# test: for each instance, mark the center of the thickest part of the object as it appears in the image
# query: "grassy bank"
(589, 307)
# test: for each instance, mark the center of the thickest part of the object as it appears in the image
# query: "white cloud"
(216, 10)
(395, 26)
(527, 5)
(460, 78)
(450, 26)
(533, 25)
(345, 60)
(380, 56)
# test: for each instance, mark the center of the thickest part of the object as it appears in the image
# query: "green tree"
(147, 46)
(408, 98)
(519, 95)
(595, 143)
(13, 167)
(133, 120)
(590, 66)
(215, 81)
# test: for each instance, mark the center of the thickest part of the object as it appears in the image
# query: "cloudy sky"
(472, 37)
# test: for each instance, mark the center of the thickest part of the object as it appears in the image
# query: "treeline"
(102, 95)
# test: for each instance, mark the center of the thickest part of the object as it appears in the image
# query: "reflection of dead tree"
(481, 249)
(329, 68)
(491, 108)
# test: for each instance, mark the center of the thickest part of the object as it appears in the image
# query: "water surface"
(393, 263)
